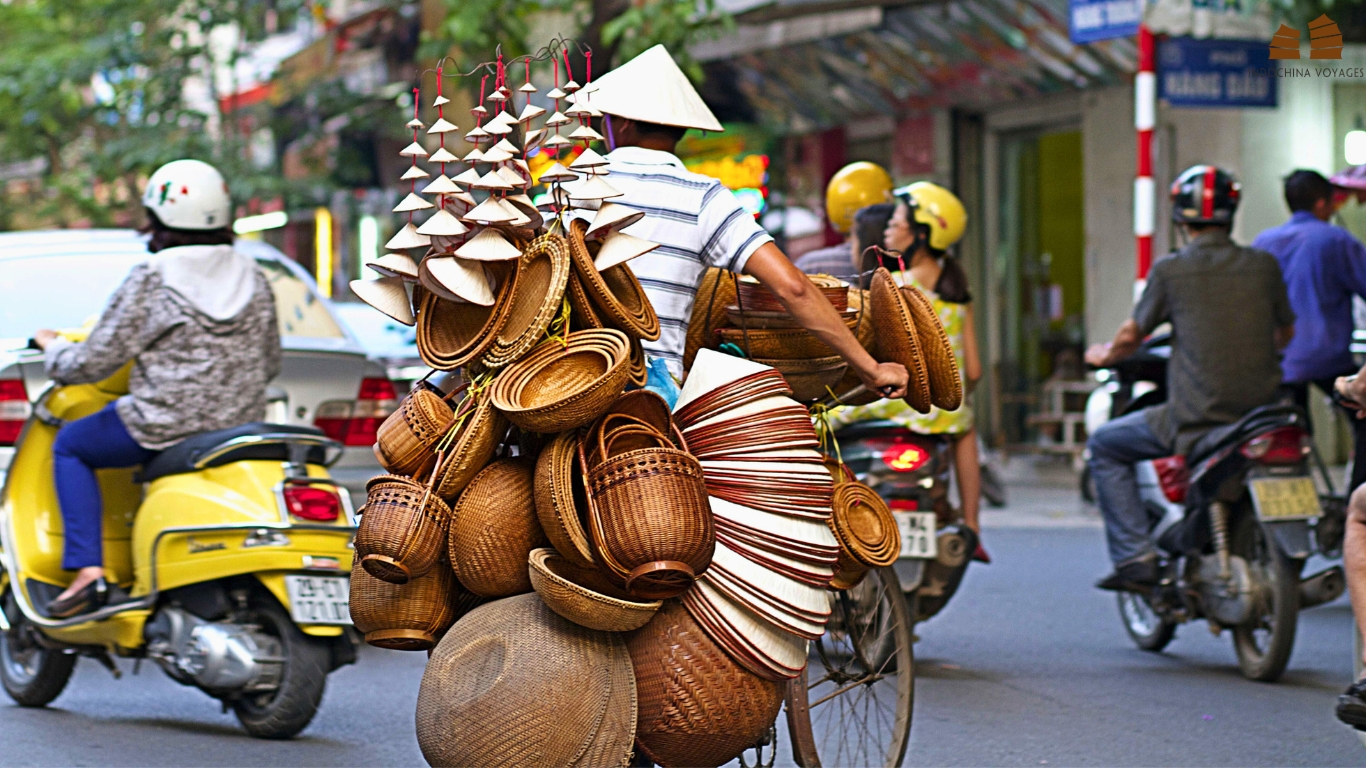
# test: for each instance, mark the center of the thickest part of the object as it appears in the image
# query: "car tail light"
(356, 422)
(905, 457)
(1173, 476)
(306, 502)
(14, 410)
(1286, 445)
(904, 505)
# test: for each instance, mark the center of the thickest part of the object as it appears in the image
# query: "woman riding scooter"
(198, 321)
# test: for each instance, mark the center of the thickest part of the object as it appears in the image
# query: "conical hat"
(386, 294)
(530, 112)
(462, 278)
(440, 100)
(469, 176)
(412, 203)
(491, 211)
(442, 156)
(491, 181)
(413, 172)
(557, 172)
(588, 159)
(496, 155)
(441, 185)
(711, 370)
(407, 238)
(610, 218)
(619, 248)
(441, 126)
(585, 133)
(395, 265)
(489, 245)
(652, 89)
(442, 224)
(413, 150)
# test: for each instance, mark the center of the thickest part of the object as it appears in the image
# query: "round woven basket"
(810, 378)
(479, 435)
(650, 523)
(407, 617)
(494, 528)
(583, 596)
(403, 529)
(848, 572)
(864, 525)
(778, 343)
(542, 274)
(897, 341)
(697, 706)
(405, 442)
(754, 297)
(514, 684)
(564, 386)
(451, 334)
(639, 374)
(582, 315)
(946, 386)
(615, 292)
(560, 501)
(714, 294)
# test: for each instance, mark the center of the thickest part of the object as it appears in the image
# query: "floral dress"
(937, 421)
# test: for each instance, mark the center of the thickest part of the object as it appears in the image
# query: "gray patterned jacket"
(191, 373)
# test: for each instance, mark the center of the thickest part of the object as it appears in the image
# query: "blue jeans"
(1115, 449)
(99, 441)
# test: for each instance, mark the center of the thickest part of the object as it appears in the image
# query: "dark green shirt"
(1224, 303)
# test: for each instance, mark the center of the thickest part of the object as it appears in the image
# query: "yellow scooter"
(230, 551)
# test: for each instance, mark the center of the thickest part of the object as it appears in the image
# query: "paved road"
(1028, 667)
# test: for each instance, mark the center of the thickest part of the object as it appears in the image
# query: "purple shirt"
(1323, 266)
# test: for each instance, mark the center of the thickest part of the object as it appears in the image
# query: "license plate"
(1285, 498)
(319, 599)
(917, 534)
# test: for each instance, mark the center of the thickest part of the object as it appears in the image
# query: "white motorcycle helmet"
(189, 194)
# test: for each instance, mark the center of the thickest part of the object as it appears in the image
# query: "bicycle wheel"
(852, 705)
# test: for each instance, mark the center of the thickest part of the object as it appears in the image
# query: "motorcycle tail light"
(905, 457)
(308, 503)
(904, 505)
(14, 410)
(1286, 445)
(1173, 476)
(356, 422)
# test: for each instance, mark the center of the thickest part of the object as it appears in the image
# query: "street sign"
(1215, 73)
(1093, 20)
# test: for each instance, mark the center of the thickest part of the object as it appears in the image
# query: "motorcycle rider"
(1230, 317)
(852, 188)
(198, 321)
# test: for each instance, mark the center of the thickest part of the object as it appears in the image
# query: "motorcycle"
(227, 555)
(1233, 522)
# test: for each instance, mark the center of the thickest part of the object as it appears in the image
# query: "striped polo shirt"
(697, 222)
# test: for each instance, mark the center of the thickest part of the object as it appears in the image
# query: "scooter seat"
(1260, 419)
(184, 455)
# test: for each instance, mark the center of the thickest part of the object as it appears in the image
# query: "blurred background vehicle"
(62, 279)
(385, 341)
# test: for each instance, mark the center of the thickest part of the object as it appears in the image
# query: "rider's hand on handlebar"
(1098, 355)
(44, 337)
(887, 379)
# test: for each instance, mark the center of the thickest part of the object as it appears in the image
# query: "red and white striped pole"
(1145, 117)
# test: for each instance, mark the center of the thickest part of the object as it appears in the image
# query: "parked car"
(63, 278)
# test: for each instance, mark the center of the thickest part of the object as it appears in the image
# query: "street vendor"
(648, 104)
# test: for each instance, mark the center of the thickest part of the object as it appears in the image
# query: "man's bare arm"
(1126, 342)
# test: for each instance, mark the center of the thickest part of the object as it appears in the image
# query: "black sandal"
(91, 597)
(1352, 705)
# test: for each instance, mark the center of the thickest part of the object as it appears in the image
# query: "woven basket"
(897, 341)
(864, 525)
(650, 522)
(494, 528)
(946, 386)
(777, 343)
(403, 529)
(407, 617)
(560, 500)
(583, 596)
(514, 684)
(542, 274)
(450, 334)
(559, 387)
(697, 706)
(480, 433)
(582, 315)
(639, 374)
(714, 294)
(615, 292)
(405, 442)
(848, 572)
(810, 378)
(754, 297)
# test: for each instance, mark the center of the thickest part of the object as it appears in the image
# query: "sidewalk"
(1041, 492)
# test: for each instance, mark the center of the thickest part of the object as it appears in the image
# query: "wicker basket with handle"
(407, 617)
(480, 429)
(406, 441)
(403, 529)
(494, 528)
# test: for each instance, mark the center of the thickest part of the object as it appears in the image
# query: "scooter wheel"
(31, 674)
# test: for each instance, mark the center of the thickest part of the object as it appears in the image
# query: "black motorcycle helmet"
(1204, 194)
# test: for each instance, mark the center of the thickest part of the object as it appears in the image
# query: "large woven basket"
(407, 617)
(864, 525)
(406, 441)
(714, 294)
(481, 429)
(640, 374)
(561, 504)
(650, 523)
(494, 528)
(514, 684)
(810, 379)
(615, 292)
(403, 529)
(946, 386)
(582, 315)
(564, 386)
(583, 596)
(450, 334)
(697, 706)
(753, 296)
(897, 341)
(777, 343)
(542, 274)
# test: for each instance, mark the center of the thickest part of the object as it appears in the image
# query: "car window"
(299, 309)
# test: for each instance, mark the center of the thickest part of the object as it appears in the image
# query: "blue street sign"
(1093, 20)
(1215, 73)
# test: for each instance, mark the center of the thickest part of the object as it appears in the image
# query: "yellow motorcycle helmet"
(855, 186)
(938, 209)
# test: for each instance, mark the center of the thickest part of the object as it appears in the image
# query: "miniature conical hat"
(498, 129)
(395, 265)
(462, 278)
(652, 89)
(619, 248)
(474, 156)
(478, 110)
(595, 188)
(512, 177)
(584, 133)
(465, 198)
(578, 109)
(491, 211)
(442, 224)
(414, 123)
(388, 295)
(496, 155)
(588, 159)
(557, 141)
(439, 101)
(497, 96)
(476, 135)
(559, 118)
(489, 245)
(441, 185)
(524, 204)
(527, 87)
(571, 86)
(412, 203)
(491, 181)
(610, 218)
(469, 176)
(506, 146)
(413, 172)
(407, 238)
(533, 139)
(557, 172)
(530, 112)
(712, 370)
(441, 126)
(555, 93)
(413, 150)
(502, 118)
(442, 156)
